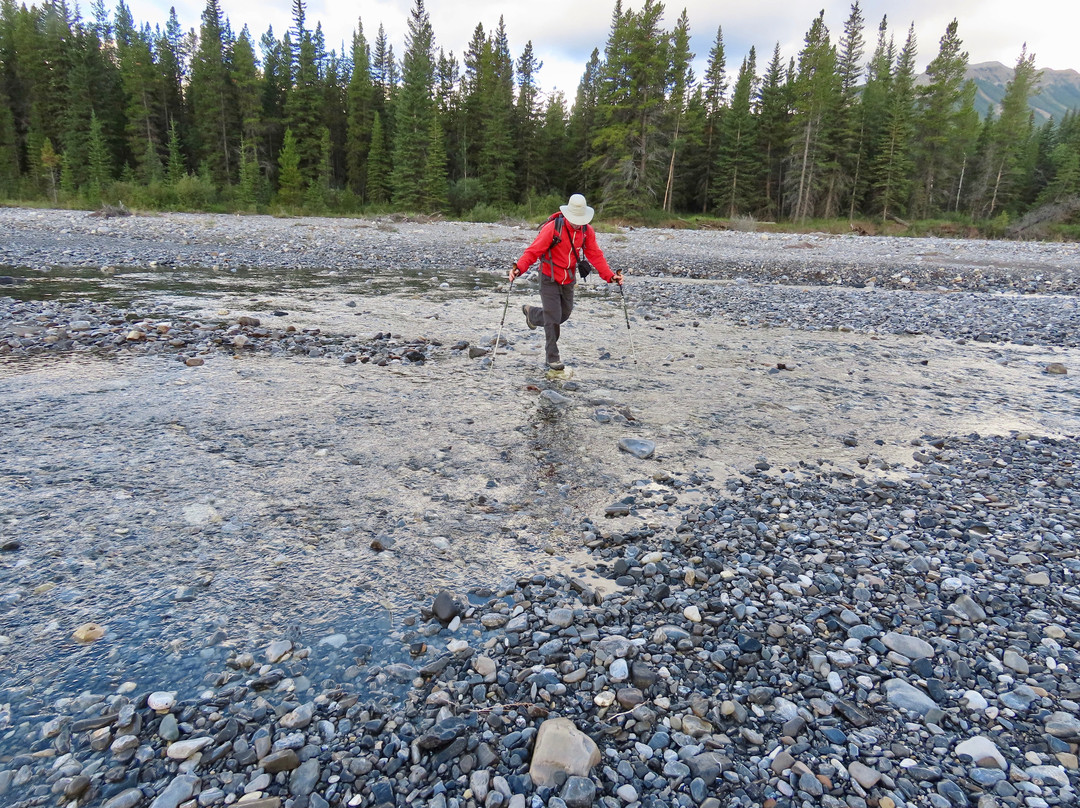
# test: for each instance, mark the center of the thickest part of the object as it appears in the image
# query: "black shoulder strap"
(556, 237)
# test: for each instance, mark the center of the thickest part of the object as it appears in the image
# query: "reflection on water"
(123, 286)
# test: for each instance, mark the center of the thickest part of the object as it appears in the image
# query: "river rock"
(1063, 725)
(641, 449)
(561, 747)
(906, 645)
(179, 789)
(908, 697)
(983, 751)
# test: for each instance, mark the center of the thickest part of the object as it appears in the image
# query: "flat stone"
(863, 774)
(179, 790)
(906, 645)
(284, 760)
(277, 650)
(641, 449)
(1011, 659)
(908, 697)
(1055, 775)
(1063, 725)
(128, 798)
(182, 750)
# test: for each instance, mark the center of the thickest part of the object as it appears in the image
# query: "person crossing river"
(565, 247)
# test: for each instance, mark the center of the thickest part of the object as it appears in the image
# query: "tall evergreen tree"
(248, 85)
(582, 128)
(891, 166)
(680, 81)
(141, 77)
(290, 177)
(495, 158)
(211, 99)
(632, 105)
(737, 183)
(817, 89)
(527, 123)
(714, 87)
(774, 124)
(303, 108)
(379, 170)
(844, 141)
(938, 110)
(871, 114)
(436, 183)
(1011, 133)
(415, 111)
(360, 103)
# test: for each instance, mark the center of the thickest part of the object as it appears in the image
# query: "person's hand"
(618, 278)
(514, 272)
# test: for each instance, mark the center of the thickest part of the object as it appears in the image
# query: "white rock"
(983, 751)
(182, 750)
(161, 701)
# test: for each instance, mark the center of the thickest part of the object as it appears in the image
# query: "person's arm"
(534, 251)
(596, 257)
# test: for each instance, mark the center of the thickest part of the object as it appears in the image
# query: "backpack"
(583, 266)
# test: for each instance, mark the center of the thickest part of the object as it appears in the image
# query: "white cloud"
(564, 32)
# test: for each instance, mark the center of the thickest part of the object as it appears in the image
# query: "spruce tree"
(774, 133)
(141, 80)
(415, 111)
(937, 158)
(495, 159)
(290, 177)
(248, 86)
(303, 106)
(554, 147)
(436, 184)
(680, 81)
(9, 150)
(871, 114)
(736, 181)
(891, 167)
(379, 171)
(211, 99)
(582, 128)
(100, 170)
(714, 87)
(360, 103)
(1011, 134)
(175, 170)
(527, 123)
(817, 92)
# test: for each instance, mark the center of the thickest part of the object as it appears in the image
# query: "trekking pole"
(506, 305)
(626, 314)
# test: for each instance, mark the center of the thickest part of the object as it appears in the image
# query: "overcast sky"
(564, 32)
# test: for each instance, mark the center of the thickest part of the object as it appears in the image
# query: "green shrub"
(464, 195)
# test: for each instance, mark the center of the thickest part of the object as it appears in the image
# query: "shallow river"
(199, 512)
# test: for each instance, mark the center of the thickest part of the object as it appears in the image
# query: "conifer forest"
(105, 109)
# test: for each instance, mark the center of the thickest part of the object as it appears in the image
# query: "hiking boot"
(528, 320)
(555, 366)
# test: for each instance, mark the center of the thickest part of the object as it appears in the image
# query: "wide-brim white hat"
(576, 211)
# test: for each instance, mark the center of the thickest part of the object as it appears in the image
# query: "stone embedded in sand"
(88, 632)
(641, 449)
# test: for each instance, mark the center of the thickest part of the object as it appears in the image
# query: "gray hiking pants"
(556, 303)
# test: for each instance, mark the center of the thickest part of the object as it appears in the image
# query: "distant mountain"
(1059, 90)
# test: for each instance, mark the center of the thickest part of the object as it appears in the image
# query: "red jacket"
(562, 265)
